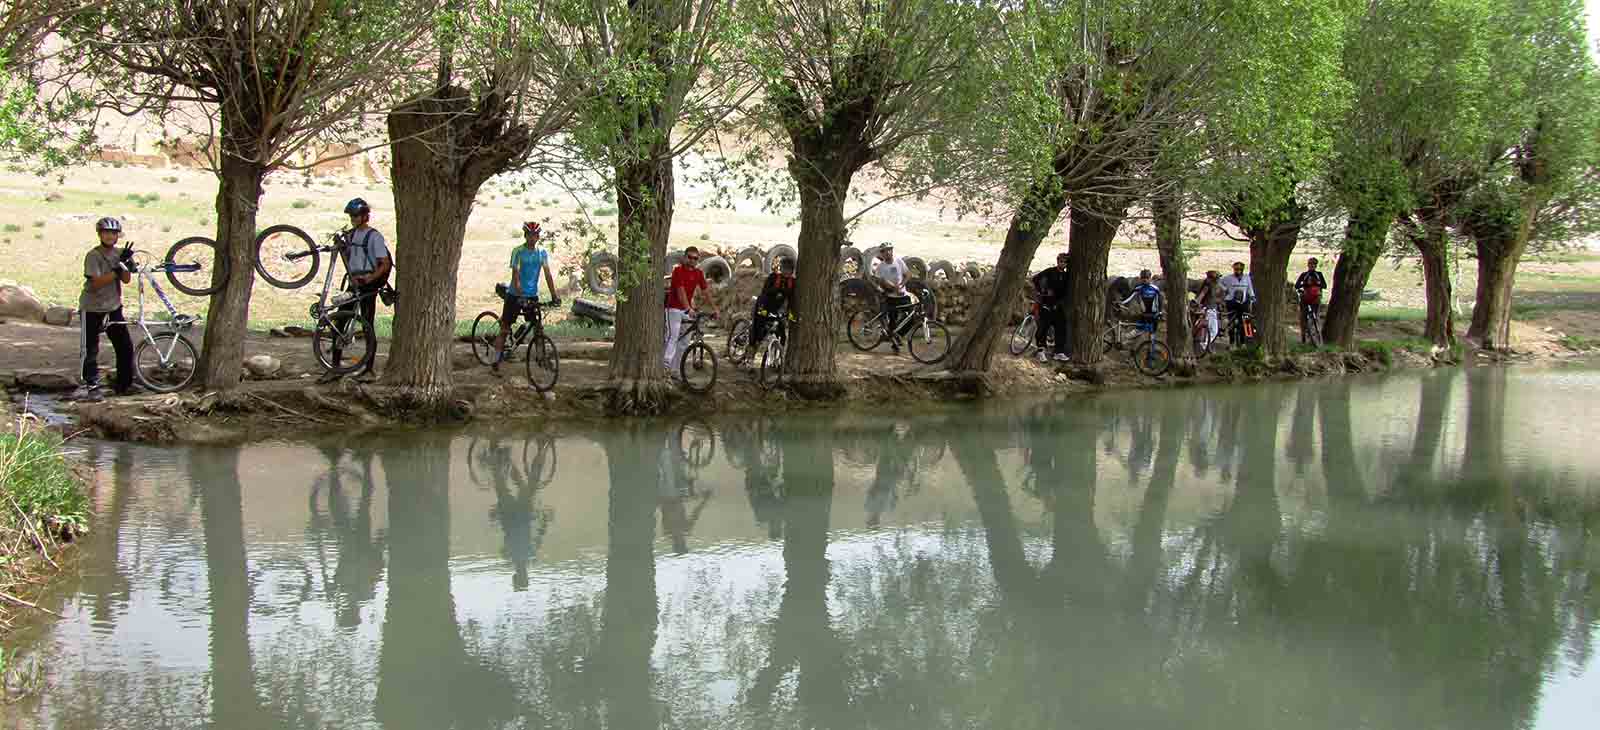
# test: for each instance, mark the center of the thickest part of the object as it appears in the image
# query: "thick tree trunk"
(1174, 273)
(629, 607)
(238, 200)
(1093, 224)
(1500, 248)
(645, 199)
(1269, 269)
(1364, 239)
(234, 700)
(432, 203)
(811, 364)
(1433, 245)
(973, 351)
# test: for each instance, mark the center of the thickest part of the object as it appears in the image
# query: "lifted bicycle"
(340, 327)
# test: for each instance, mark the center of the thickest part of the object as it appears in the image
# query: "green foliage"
(11, 228)
(1580, 343)
(39, 489)
(300, 204)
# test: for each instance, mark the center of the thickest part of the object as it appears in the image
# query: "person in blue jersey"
(522, 294)
(1148, 295)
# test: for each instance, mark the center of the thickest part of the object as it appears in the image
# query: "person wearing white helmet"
(105, 270)
(891, 274)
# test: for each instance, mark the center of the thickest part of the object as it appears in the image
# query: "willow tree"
(506, 81)
(669, 75)
(848, 84)
(1413, 118)
(260, 82)
(1544, 162)
(29, 115)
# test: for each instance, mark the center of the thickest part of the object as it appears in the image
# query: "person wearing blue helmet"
(368, 263)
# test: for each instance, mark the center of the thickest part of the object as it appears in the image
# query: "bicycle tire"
(1152, 357)
(478, 459)
(213, 268)
(1022, 336)
(738, 348)
(1110, 340)
(177, 373)
(865, 326)
(274, 245)
(540, 465)
(543, 362)
(771, 372)
(343, 326)
(1310, 330)
(697, 441)
(699, 360)
(1199, 336)
(931, 344)
(483, 336)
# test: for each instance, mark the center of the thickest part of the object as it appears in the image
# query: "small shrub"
(38, 483)
(705, 236)
(608, 210)
(300, 203)
(1580, 343)
(205, 221)
(99, 203)
(38, 236)
(166, 229)
(117, 165)
(11, 228)
(170, 179)
(38, 224)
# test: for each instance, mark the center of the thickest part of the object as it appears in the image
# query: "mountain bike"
(164, 360)
(196, 258)
(928, 339)
(1022, 338)
(697, 363)
(1311, 323)
(1199, 330)
(1150, 355)
(772, 348)
(543, 362)
(1241, 328)
(339, 324)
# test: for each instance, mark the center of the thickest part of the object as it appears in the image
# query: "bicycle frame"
(176, 321)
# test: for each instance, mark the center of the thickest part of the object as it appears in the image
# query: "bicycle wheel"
(1311, 330)
(1110, 339)
(1200, 339)
(697, 442)
(338, 336)
(165, 362)
(544, 364)
(286, 257)
(1022, 337)
(1152, 357)
(771, 363)
(865, 330)
(738, 349)
(485, 330)
(539, 459)
(930, 342)
(196, 251)
(483, 461)
(698, 367)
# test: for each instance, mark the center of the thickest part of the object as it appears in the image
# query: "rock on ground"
(44, 380)
(59, 316)
(20, 302)
(263, 366)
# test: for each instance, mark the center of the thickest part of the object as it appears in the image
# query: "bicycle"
(1022, 338)
(696, 358)
(928, 340)
(543, 362)
(196, 255)
(1241, 328)
(1151, 356)
(340, 326)
(1199, 330)
(772, 349)
(175, 357)
(1310, 322)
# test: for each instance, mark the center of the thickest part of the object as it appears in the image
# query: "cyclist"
(1149, 295)
(687, 279)
(368, 261)
(522, 295)
(1210, 300)
(1053, 289)
(776, 293)
(1238, 293)
(105, 270)
(890, 276)
(1309, 286)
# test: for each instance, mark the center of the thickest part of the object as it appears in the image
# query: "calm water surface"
(1410, 552)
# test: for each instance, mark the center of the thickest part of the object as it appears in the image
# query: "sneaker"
(1041, 356)
(89, 394)
(495, 369)
(1062, 357)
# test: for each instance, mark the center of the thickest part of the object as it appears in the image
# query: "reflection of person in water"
(360, 554)
(893, 458)
(524, 524)
(763, 483)
(674, 487)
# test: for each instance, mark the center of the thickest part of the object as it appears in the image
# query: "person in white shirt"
(890, 275)
(1238, 293)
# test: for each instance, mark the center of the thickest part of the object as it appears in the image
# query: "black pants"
(121, 341)
(895, 309)
(759, 325)
(1053, 319)
(368, 309)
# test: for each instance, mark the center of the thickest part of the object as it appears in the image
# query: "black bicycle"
(927, 338)
(1241, 327)
(697, 363)
(543, 362)
(1022, 338)
(1310, 322)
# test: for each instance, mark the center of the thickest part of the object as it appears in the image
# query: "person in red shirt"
(686, 281)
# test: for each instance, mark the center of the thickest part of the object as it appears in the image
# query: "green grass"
(300, 203)
(35, 476)
(1580, 343)
(605, 211)
(11, 228)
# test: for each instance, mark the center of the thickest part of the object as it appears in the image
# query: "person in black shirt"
(774, 299)
(1054, 291)
(1310, 286)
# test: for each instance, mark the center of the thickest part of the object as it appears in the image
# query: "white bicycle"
(164, 360)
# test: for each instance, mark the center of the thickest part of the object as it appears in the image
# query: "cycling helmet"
(357, 206)
(531, 227)
(108, 224)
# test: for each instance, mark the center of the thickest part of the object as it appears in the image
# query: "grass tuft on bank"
(42, 507)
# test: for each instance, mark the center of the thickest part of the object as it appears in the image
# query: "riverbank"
(287, 400)
(43, 511)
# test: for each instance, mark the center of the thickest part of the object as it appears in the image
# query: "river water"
(1417, 551)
